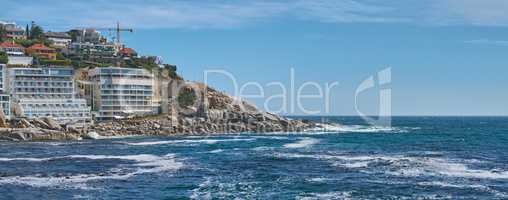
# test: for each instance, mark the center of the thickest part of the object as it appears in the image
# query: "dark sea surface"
(418, 158)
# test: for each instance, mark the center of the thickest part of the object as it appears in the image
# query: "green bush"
(171, 71)
(4, 59)
(27, 42)
(2, 33)
(186, 97)
(56, 62)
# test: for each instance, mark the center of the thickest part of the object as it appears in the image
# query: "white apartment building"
(93, 50)
(59, 39)
(4, 96)
(20, 61)
(121, 92)
(48, 92)
(12, 30)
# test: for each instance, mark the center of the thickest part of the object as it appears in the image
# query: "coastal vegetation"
(187, 97)
(29, 42)
(2, 32)
(63, 62)
(3, 58)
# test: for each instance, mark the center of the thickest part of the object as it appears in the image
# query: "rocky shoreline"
(45, 129)
(214, 113)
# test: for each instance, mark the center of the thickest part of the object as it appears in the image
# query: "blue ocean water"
(418, 158)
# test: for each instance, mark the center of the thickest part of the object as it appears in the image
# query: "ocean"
(417, 158)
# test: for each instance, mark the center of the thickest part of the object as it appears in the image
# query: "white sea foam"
(438, 166)
(139, 158)
(120, 136)
(302, 143)
(218, 188)
(407, 166)
(216, 151)
(482, 188)
(204, 141)
(329, 195)
(24, 159)
(145, 163)
(271, 137)
(327, 128)
(53, 143)
(74, 181)
(452, 185)
(262, 148)
(200, 192)
(319, 179)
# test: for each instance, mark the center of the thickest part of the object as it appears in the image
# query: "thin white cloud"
(488, 42)
(474, 12)
(229, 13)
(345, 11)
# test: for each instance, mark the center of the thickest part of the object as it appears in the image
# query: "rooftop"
(40, 47)
(127, 51)
(63, 35)
(10, 44)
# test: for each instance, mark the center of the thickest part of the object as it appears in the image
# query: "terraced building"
(48, 92)
(121, 92)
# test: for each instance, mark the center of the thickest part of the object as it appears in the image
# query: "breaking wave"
(216, 151)
(406, 166)
(329, 195)
(205, 141)
(302, 143)
(144, 163)
(327, 128)
(477, 187)
(217, 188)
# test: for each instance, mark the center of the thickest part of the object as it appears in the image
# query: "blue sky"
(448, 57)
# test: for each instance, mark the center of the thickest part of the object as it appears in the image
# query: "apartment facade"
(121, 92)
(48, 92)
(60, 40)
(20, 61)
(87, 35)
(93, 50)
(5, 99)
(12, 31)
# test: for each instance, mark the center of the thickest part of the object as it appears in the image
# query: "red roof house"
(12, 48)
(42, 51)
(127, 52)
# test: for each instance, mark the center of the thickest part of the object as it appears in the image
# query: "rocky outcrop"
(38, 129)
(211, 112)
(3, 122)
(35, 134)
(214, 113)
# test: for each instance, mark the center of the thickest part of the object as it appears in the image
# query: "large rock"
(17, 111)
(39, 123)
(23, 123)
(189, 111)
(266, 116)
(15, 134)
(52, 124)
(92, 135)
(35, 134)
(3, 123)
(215, 114)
